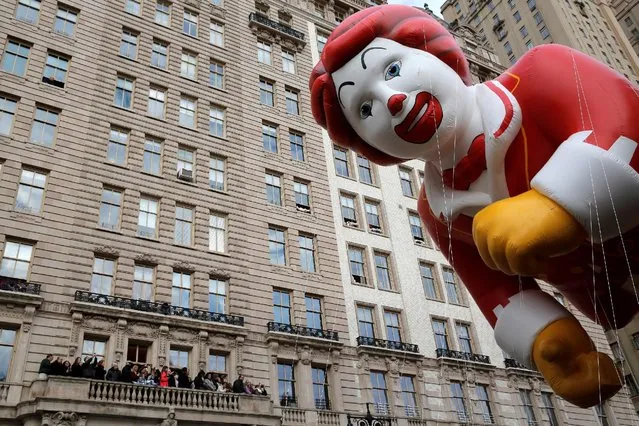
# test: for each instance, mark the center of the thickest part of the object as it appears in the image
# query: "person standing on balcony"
(57, 369)
(76, 368)
(100, 372)
(238, 385)
(88, 368)
(45, 367)
(183, 378)
(113, 375)
(164, 377)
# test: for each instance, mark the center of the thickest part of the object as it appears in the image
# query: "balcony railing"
(19, 286)
(464, 356)
(266, 22)
(302, 331)
(511, 363)
(157, 308)
(387, 344)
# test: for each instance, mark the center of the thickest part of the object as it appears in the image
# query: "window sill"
(154, 239)
(67, 38)
(34, 217)
(193, 80)
(389, 290)
(152, 174)
(129, 59)
(220, 253)
(362, 285)
(38, 147)
(119, 166)
(434, 300)
(217, 191)
(192, 129)
(461, 305)
(111, 231)
(122, 108)
(345, 177)
(186, 182)
(183, 246)
(222, 138)
(354, 228)
(219, 89)
(164, 70)
(372, 185)
(52, 88)
(379, 234)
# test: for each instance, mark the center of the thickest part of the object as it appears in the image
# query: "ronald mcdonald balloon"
(529, 176)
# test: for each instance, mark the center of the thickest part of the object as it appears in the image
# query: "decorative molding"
(218, 13)
(147, 259)
(305, 354)
(219, 273)
(59, 308)
(76, 323)
(63, 419)
(106, 251)
(184, 266)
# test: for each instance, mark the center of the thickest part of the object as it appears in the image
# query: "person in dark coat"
(125, 375)
(172, 379)
(88, 367)
(238, 385)
(183, 378)
(57, 368)
(113, 375)
(198, 383)
(100, 372)
(66, 368)
(45, 365)
(76, 368)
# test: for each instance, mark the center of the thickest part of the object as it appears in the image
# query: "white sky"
(435, 5)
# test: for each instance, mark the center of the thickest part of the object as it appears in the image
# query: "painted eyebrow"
(346, 83)
(366, 51)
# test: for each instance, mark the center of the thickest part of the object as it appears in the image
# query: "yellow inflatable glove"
(518, 235)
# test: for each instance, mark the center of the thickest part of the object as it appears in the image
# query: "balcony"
(302, 331)
(258, 22)
(511, 363)
(19, 286)
(157, 308)
(462, 356)
(387, 344)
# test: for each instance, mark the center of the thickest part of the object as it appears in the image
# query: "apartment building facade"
(627, 13)
(513, 27)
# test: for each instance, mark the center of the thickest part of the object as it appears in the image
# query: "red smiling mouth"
(422, 121)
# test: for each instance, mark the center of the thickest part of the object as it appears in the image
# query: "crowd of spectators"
(93, 368)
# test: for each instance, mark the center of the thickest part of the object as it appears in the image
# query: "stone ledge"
(303, 340)
(385, 352)
(14, 297)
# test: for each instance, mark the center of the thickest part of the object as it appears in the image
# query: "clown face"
(403, 101)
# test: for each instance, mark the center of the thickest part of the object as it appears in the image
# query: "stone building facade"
(167, 199)
(627, 13)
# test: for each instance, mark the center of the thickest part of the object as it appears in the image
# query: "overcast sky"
(435, 5)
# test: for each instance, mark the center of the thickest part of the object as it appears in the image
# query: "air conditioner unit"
(303, 208)
(419, 241)
(351, 223)
(375, 230)
(184, 174)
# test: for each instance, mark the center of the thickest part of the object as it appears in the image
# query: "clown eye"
(393, 70)
(366, 110)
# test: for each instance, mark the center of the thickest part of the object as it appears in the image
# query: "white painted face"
(402, 101)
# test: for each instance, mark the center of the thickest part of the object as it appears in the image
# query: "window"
(341, 161)
(143, 282)
(217, 297)
(416, 227)
(526, 401)
(7, 340)
(44, 126)
(532, 5)
(393, 326)
(281, 306)
(273, 189)
(129, 44)
(7, 113)
(356, 262)
(523, 31)
(269, 137)
(160, 54)
(382, 271)
(628, 21)
(408, 395)
(110, 208)
(529, 45)
(364, 168)
(463, 338)
(181, 290)
(451, 286)
(16, 260)
(538, 18)
(292, 102)
(348, 208)
(313, 312)
(217, 363)
(216, 2)
(28, 11)
(320, 388)
(163, 13)
(148, 218)
(152, 157)
(601, 414)
(136, 353)
(297, 146)
(372, 216)
(55, 69)
(307, 253)
(635, 341)
(548, 408)
(157, 102)
(116, 149)
(133, 7)
(30, 191)
(216, 121)
(483, 400)
(264, 53)
(428, 281)
(217, 34)
(124, 92)
(365, 321)
(183, 225)
(65, 20)
(178, 358)
(189, 24)
(301, 195)
(441, 334)
(188, 68)
(216, 75)
(459, 405)
(288, 61)
(276, 246)
(266, 92)
(217, 165)
(544, 32)
(407, 182)
(321, 42)
(511, 3)
(217, 232)
(516, 16)
(95, 348)
(16, 55)
(187, 112)
(286, 384)
(632, 385)
(102, 277)
(380, 398)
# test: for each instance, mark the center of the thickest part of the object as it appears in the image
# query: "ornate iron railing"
(387, 344)
(302, 331)
(266, 22)
(369, 419)
(19, 286)
(157, 308)
(464, 356)
(511, 363)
